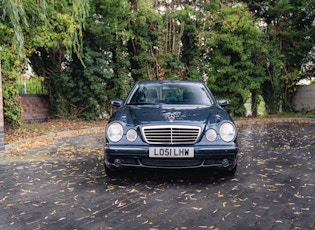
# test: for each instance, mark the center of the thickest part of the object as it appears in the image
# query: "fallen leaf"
(110, 188)
(220, 195)
(121, 204)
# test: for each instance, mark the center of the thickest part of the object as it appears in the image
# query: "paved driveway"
(64, 186)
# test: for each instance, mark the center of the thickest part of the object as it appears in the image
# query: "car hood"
(145, 114)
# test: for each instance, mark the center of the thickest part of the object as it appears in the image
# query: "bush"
(11, 101)
(79, 91)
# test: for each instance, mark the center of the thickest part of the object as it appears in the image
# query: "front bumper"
(119, 157)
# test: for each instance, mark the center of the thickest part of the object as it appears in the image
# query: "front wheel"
(231, 172)
(109, 172)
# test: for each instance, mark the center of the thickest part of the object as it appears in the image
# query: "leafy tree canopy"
(239, 48)
(236, 54)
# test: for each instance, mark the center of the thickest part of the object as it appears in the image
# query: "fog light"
(117, 162)
(225, 162)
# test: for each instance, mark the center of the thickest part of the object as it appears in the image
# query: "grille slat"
(171, 134)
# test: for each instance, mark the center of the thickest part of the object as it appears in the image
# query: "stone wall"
(35, 107)
(304, 99)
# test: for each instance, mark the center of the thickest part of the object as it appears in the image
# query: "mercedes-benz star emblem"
(171, 116)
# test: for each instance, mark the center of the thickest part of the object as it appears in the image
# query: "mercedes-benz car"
(165, 124)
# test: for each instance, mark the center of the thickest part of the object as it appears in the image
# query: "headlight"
(115, 132)
(131, 135)
(211, 135)
(227, 132)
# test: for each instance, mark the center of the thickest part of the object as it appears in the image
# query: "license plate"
(171, 152)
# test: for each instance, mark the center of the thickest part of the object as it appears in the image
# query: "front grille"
(171, 134)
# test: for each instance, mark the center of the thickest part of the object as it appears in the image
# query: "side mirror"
(223, 103)
(115, 104)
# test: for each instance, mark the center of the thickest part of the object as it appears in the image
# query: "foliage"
(308, 66)
(241, 49)
(141, 45)
(235, 63)
(54, 20)
(191, 52)
(33, 85)
(58, 25)
(80, 91)
(83, 89)
(9, 72)
(111, 41)
(291, 35)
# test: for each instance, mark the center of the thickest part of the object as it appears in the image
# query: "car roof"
(169, 81)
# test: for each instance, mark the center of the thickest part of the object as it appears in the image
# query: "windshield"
(171, 93)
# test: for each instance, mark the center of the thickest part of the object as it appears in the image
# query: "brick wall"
(304, 99)
(35, 107)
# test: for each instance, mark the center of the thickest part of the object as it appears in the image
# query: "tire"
(231, 172)
(109, 172)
